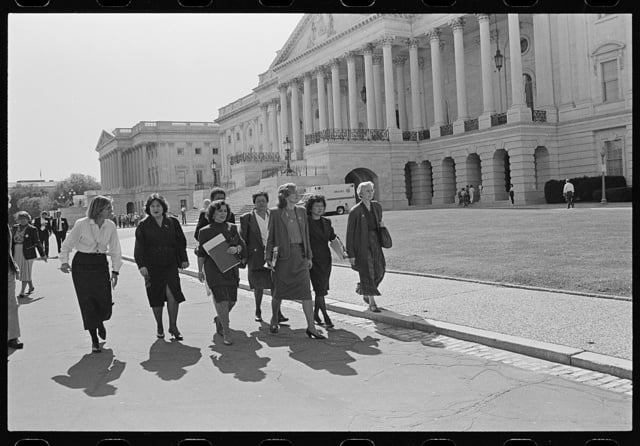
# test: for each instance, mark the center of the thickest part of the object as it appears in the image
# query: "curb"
(622, 368)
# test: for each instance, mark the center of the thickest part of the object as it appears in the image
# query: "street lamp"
(603, 154)
(214, 170)
(287, 149)
(498, 58)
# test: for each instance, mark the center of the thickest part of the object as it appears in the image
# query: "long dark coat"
(358, 232)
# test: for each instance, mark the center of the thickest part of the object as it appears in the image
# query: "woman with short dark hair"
(25, 243)
(95, 237)
(160, 249)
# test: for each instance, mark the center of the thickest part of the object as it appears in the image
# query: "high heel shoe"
(374, 308)
(31, 290)
(313, 335)
(226, 339)
(95, 347)
(273, 328)
(176, 334)
(317, 320)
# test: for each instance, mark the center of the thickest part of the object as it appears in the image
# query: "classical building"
(425, 104)
(171, 158)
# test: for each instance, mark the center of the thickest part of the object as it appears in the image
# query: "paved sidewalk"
(554, 326)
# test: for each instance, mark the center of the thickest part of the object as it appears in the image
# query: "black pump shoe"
(313, 335)
(102, 332)
(176, 334)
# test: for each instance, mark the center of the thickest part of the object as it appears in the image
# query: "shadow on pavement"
(28, 300)
(241, 358)
(168, 359)
(330, 354)
(93, 373)
(408, 335)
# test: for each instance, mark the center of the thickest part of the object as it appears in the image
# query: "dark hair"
(160, 199)
(258, 194)
(215, 191)
(216, 205)
(315, 199)
(283, 192)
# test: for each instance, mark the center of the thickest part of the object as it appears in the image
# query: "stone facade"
(417, 104)
(170, 158)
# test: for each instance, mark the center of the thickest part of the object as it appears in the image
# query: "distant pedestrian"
(25, 243)
(512, 195)
(95, 238)
(465, 197)
(43, 226)
(289, 233)
(472, 193)
(60, 226)
(460, 196)
(223, 284)
(320, 234)
(183, 213)
(217, 193)
(160, 250)
(363, 245)
(13, 323)
(568, 191)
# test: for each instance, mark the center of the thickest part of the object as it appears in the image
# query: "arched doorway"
(501, 175)
(357, 176)
(542, 167)
(474, 173)
(448, 180)
(130, 208)
(409, 171)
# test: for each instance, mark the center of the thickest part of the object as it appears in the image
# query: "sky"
(70, 76)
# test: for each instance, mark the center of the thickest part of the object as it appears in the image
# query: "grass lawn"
(580, 249)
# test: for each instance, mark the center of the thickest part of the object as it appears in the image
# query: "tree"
(34, 205)
(22, 192)
(75, 184)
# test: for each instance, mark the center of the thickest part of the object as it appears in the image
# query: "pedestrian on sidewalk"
(60, 226)
(217, 193)
(465, 197)
(363, 245)
(512, 195)
(568, 191)
(223, 285)
(43, 226)
(160, 249)
(289, 233)
(321, 233)
(254, 230)
(94, 237)
(25, 244)
(13, 323)
(472, 193)
(183, 212)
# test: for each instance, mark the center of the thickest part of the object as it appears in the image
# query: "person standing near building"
(512, 195)
(60, 226)
(472, 193)
(25, 243)
(13, 323)
(95, 238)
(160, 249)
(217, 193)
(568, 191)
(254, 229)
(289, 233)
(43, 226)
(183, 212)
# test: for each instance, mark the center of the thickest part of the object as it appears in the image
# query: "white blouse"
(87, 237)
(263, 224)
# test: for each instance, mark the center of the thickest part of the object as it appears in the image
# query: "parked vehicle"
(340, 198)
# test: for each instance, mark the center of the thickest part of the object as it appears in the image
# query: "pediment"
(105, 137)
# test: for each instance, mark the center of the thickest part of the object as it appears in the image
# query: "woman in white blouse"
(94, 237)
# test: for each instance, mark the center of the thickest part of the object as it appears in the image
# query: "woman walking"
(363, 244)
(13, 322)
(160, 249)
(25, 243)
(289, 233)
(320, 234)
(254, 229)
(223, 285)
(95, 237)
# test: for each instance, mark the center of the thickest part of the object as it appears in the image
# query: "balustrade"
(347, 135)
(471, 124)
(539, 115)
(498, 119)
(254, 157)
(446, 130)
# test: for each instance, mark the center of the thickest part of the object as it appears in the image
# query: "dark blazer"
(54, 225)
(47, 225)
(157, 245)
(320, 238)
(202, 222)
(31, 243)
(250, 232)
(358, 232)
(279, 236)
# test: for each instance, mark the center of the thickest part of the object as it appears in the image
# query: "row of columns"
(125, 169)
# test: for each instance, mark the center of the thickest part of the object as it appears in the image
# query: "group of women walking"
(285, 249)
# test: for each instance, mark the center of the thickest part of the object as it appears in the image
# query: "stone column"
(295, 118)
(107, 173)
(486, 63)
(368, 85)
(416, 110)
(436, 76)
(544, 71)
(322, 99)
(353, 89)
(377, 90)
(306, 106)
(522, 164)
(273, 126)
(284, 115)
(103, 179)
(125, 177)
(390, 103)
(119, 169)
(330, 122)
(518, 112)
(335, 87)
(424, 102)
(399, 62)
(145, 165)
(461, 82)
(264, 109)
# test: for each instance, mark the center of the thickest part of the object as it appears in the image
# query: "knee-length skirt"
(92, 281)
(320, 273)
(291, 279)
(26, 266)
(161, 277)
(260, 279)
(373, 273)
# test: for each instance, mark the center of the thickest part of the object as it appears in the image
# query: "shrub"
(616, 194)
(584, 187)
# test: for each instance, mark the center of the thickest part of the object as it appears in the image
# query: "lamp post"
(215, 172)
(287, 149)
(603, 154)
(498, 59)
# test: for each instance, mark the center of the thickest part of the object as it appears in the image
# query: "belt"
(93, 253)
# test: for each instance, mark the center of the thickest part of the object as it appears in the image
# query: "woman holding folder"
(219, 253)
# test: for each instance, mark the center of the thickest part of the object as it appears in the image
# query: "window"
(237, 136)
(182, 178)
(614, 157)
(250, 133)
(610, 81)
(214, 151)
(199, 177)
(180, 151)
(229, 139)
(198, 151)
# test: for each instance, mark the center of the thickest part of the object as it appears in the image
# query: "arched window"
(528, 90)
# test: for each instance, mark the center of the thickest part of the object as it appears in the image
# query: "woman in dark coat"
(289, 233)
(223, 285)
(363, 245)
(320, 234)
(160, 249)
(25, 242)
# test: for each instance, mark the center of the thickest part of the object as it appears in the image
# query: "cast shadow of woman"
(168, 360)
(93, 373)
(331, 354)
(241, 358)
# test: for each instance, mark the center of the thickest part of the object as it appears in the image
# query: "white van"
(340, 198)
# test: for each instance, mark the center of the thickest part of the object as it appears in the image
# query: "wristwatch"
(115, 272)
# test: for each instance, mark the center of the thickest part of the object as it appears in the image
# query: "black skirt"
(92, 281)
(161, 277)
(320, 273)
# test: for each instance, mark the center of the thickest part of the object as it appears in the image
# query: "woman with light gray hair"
(363, 244)
(94, 237)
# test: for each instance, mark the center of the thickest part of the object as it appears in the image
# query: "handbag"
(385, 237)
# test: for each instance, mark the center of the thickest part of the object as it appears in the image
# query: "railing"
(255, 157)
(539, 115)
(419, 135)
(498, 119)
(408, 136)
(271, 172)
(446, 129)
(347, 135)
(471, 124)
(200, 186)
(424, 134)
